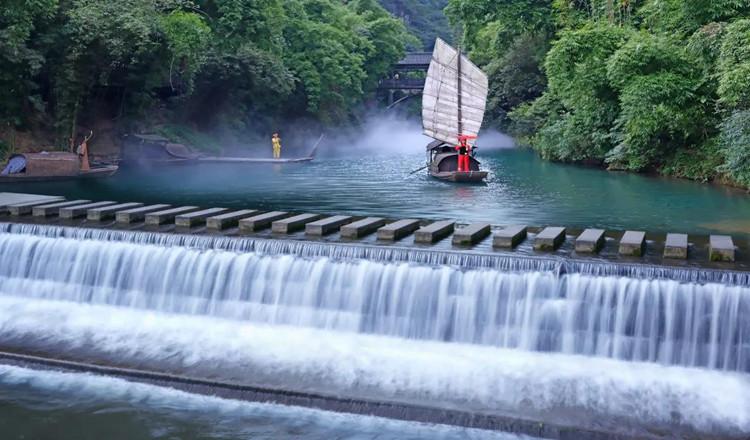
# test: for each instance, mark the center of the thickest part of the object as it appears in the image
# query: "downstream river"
(43, 405)
(521, 188)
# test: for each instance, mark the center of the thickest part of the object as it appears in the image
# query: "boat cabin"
(43, 164)
(444, 158)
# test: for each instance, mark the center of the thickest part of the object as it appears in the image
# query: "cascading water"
(623, 318)
(314, 313)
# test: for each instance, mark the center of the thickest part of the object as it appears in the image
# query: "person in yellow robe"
(276, 143)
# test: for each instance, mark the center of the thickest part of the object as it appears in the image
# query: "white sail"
(440, 97)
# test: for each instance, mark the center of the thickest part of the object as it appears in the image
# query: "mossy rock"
(719, 256)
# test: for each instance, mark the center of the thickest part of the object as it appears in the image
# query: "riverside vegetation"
(233, 67)
(638, 85)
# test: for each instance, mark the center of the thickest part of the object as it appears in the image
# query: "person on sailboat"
(463, 149)
(276, 143)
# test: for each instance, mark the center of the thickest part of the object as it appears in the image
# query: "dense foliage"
(641, 85)
(423, 18)
(238, 65)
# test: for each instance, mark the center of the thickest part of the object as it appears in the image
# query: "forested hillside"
(423, 18)
(640, 85)
(232, 66)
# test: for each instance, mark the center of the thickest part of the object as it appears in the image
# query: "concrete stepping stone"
(434, 232)
(633, 243)
(676, 246)
(292, 224)
(590, 241)
(362, 227)
(8, 198)
(549, 239)
(198, 217)
(510, 237)
(106, 212)
(471, 234)
(54, 208)
(229, 219)
(262, 221)
(26, 207)
(80, 210)
(398, 229)
(167, 215)
(721, 248)
(138, 214)
(327, 225)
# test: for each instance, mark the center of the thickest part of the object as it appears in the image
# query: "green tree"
(734, 97)
(577, 77)
(660, 109)
(23, 46)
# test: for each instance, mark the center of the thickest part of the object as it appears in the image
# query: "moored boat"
(261, 160)
(148, 149)
(453, 103)
(36, 167)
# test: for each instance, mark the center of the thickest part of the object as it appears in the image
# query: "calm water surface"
(521, 189)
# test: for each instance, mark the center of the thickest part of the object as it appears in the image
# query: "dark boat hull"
(252, 160)
(460, 176)
(444, 166)
(95, 173)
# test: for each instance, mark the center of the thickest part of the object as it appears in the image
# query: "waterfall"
(386, 253)
(537, 305)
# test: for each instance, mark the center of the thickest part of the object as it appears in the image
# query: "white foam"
(95, 388)
(624, 318)
(466, 376)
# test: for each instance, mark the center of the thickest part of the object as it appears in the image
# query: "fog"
(395, 135)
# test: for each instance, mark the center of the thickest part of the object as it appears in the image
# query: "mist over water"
(395, 135)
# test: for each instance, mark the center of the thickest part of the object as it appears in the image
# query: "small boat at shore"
(40, 167)
(453, 104)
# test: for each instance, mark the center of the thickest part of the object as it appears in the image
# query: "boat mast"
(458, 88)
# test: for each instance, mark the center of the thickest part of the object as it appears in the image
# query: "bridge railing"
(401, 83)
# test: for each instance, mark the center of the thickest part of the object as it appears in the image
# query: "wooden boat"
(453, 103)
(37, 167)
(444, 163)
(260, 160)
(143, 149)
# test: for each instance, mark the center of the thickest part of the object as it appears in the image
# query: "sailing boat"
(453, 103)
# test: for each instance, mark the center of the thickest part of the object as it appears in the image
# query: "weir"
(508, 336)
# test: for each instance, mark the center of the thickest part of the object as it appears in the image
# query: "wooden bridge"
(399, 85)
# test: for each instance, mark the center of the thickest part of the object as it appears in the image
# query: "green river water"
(521, 188)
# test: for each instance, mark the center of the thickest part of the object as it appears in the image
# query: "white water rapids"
(570, 348)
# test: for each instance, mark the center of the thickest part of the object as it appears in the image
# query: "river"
(622, 351)
(521, 188)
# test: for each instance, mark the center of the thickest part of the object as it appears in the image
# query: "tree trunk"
(611, 11)
(12, 137)
(75, 121)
